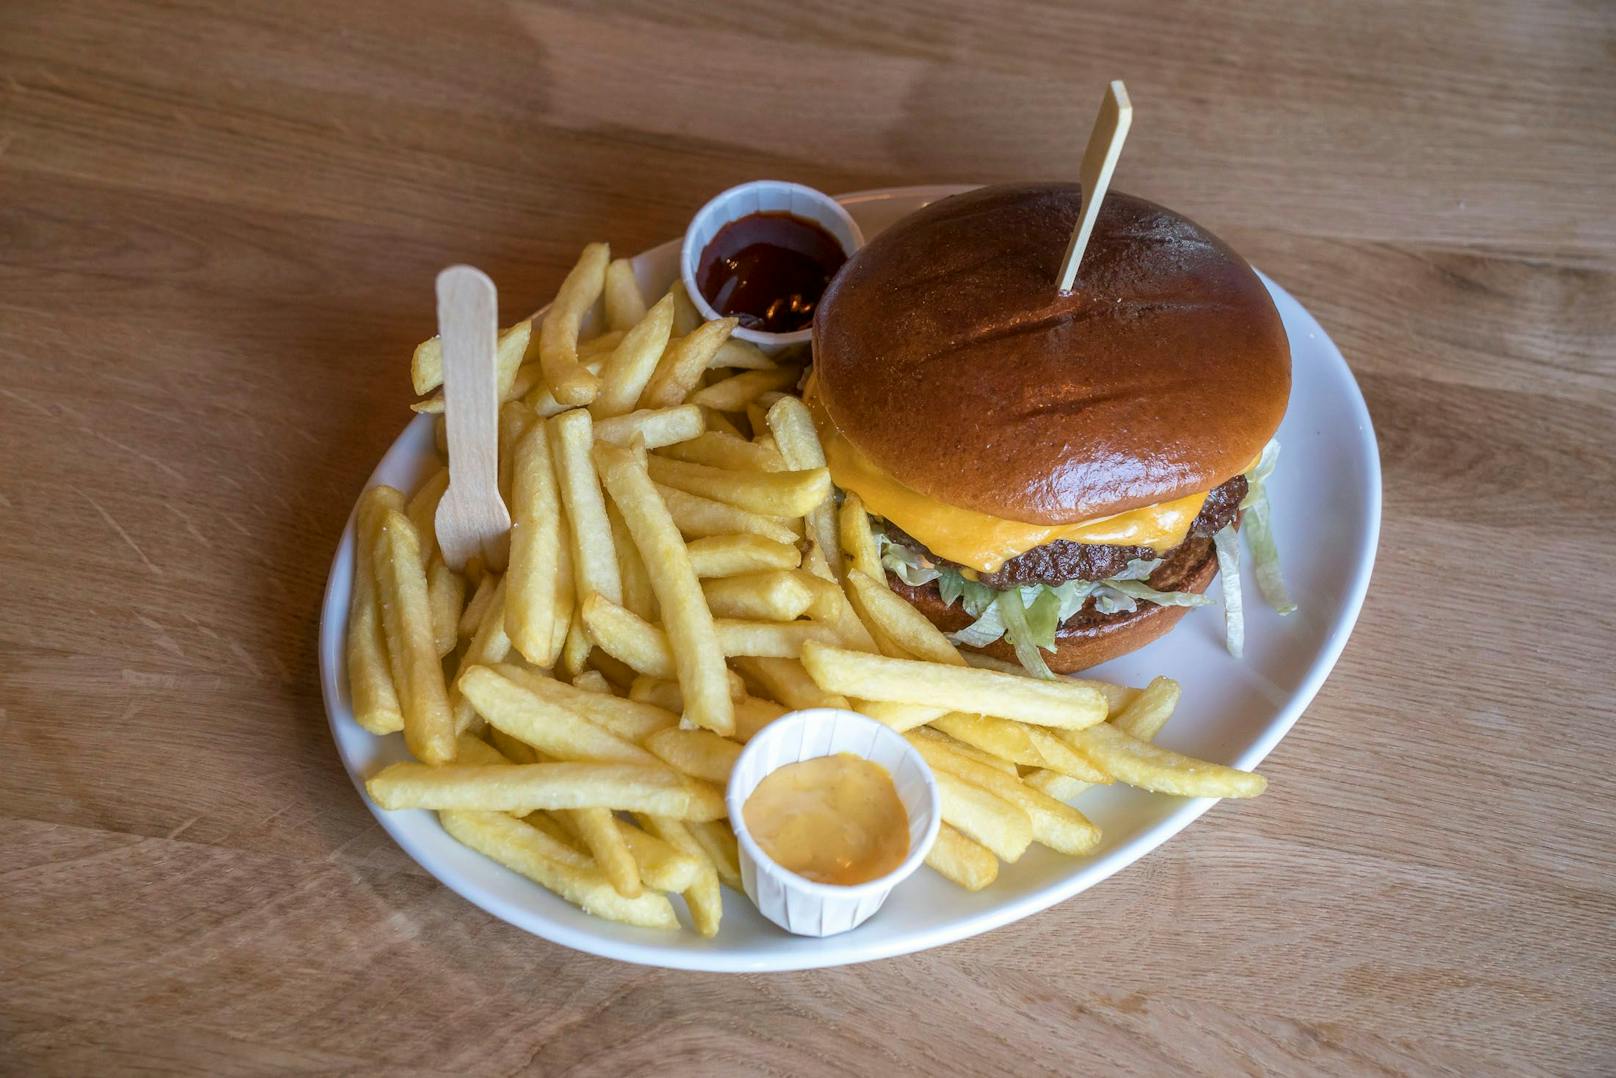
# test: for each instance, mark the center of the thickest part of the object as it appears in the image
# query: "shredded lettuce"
(1227, 542)
(909, 566)
(987, 628)
(1260, 533)
(1073, 594)
(1020, 632)
(1138, 569)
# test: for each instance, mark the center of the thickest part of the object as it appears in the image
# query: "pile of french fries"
(681, 574)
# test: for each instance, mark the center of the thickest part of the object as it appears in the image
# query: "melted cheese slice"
(980, 540)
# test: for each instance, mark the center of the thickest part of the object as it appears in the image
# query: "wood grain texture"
(219, 225)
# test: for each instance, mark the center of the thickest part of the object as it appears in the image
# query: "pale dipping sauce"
(833, 819)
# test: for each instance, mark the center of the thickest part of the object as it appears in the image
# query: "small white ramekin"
(762, 196)
(800, 905)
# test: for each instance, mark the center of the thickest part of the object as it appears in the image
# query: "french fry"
(780, 494)
(509, 747)
(664, 692)
(617, 674)
(525, 849)
(752, 715)
(406, 617)
(1148, 712)
(629, 720)
(1117, 697)
(597, 827)
(637, 594)
(471, 618)
(655, 428)
(625, 304)
(658, 692)
(830, 604)
(685, 315)
(1059, 703)
(964, 861)
(1056, 825)
(719, 423)
(706, 801)
(1021, 743)
(514, 420)
(814, 563)
(1056, 785)
(785, 680)
(511, 706)
(593, 681)
(684, 362)
(542, 400)
(794, 433)
(633, 362)
(474, 750)
(901, 717)
(717, 841)
(559, 826)
(594, 560)
(732, 555)
(704, 900)
(524, 788)
(600, 345)
(575, 652)
(771, 639)
(563, 613)
(426, 366)
(740, 354)
(900, 622)
(370, 679)
(528, 375)
(422, 510)
(981, 756)
(700, 754)
(646, 648)
(996, 823)
(1139, 763)
(539, 581)
(757, 417)
(689, 624)
(660, 866)
(446, 597)
(735, 393)
(763, 596)
(570, 383)
(490, 645)
(699, 518)
(858, 542)
(720, 450)
(628, 638)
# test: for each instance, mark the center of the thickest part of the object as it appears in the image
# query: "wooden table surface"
(218, 229)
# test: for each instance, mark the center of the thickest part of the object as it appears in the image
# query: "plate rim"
(332, 629)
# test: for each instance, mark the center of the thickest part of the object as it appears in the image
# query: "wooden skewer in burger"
(1057, 474)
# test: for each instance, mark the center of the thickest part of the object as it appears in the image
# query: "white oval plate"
(1326, 495)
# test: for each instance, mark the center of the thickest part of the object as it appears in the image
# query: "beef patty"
(1056, 563)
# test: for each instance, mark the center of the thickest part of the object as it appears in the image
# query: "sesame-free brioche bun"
(944, 352)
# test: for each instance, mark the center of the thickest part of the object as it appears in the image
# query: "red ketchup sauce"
(769, 270)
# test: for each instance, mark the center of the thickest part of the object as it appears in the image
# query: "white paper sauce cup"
(795, 903)
(762, 196)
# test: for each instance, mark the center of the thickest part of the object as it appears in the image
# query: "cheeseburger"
(1054, 478)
